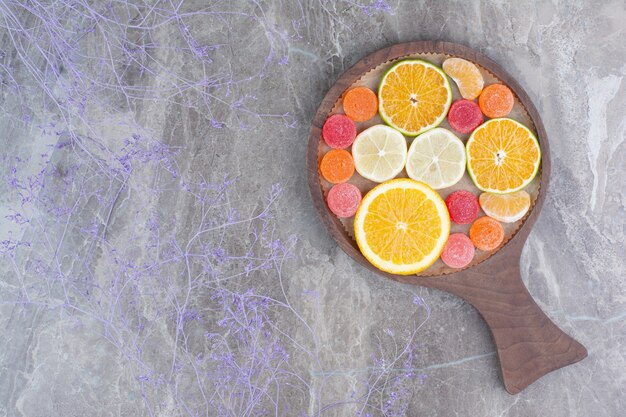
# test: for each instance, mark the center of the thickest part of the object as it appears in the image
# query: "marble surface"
(118, 304)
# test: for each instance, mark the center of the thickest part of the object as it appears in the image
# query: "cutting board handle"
(528, 343)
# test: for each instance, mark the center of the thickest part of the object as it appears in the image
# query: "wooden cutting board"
(528, 343)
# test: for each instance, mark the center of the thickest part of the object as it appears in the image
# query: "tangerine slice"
(360, 104)
(466, 75)
(486, 233)
(337, 166)
(507, 208)
(496, 100)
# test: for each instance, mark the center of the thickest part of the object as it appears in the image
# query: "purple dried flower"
(191, 315)
(219, 255)
(95, 198)
(216, 124)
(17, 218)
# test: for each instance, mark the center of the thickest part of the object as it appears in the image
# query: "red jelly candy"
(464, 116)
(458, 252)
(343, 199)
(462, 206)
(339, 131)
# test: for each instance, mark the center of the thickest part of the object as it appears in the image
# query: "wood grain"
(528, 343)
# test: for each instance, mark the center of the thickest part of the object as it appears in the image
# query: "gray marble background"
(571, 59)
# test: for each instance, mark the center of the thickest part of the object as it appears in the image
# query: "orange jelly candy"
(360, 104)
(496, 100)
(337, 166)
(486, 233)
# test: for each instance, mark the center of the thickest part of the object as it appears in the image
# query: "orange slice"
(414, 96)
(402, 226)
(466, 75)
(503, 156)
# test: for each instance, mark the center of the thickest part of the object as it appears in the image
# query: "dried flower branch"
(191, 295)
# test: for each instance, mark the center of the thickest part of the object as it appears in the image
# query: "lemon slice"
(379, 153)
(507, 208)
(437, 158)
(402, 226)
(414, 96)
(503, 156)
